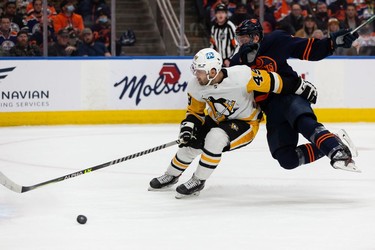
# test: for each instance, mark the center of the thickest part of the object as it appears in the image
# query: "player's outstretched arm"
(264, 81)
(299, 86)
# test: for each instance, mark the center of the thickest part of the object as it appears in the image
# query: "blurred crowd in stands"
(302, 18)
(74, 28)
(83, 27)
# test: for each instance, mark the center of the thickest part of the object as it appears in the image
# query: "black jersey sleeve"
(310, 49)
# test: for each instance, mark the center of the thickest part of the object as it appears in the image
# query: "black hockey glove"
(307, 90)
(248, 52)
(187, 133)
(343, 38)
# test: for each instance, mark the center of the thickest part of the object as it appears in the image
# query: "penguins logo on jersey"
(234, 126)
(221, 108)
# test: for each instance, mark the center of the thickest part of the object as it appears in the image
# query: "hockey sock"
(177, 166)
(316, 133)
(308, 153)
(290, 157)
(326, 141)
(216, 140)
(207, 164)
(182, 160)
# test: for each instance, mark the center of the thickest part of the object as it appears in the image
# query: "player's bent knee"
(216, 140)
(188, 154)
(287, 158)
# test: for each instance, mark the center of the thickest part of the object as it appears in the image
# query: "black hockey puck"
(81, 219)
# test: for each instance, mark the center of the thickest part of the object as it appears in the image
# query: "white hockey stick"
(8, 183)
(340, 39)
(363, 24)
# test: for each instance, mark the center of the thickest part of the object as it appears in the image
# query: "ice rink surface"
(248, 203)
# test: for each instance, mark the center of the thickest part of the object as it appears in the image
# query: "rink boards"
(153, 90)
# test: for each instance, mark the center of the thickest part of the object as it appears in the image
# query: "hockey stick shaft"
(363, 24)
(8, 183)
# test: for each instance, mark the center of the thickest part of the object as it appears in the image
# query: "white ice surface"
(248, 203)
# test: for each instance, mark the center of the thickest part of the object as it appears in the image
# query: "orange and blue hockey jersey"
(279, 46)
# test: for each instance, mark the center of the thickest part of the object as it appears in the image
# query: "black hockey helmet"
(250, 27)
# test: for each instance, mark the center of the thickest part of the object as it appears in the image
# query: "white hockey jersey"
(233, 98)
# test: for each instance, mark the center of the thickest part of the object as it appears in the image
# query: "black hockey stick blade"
(8, 183)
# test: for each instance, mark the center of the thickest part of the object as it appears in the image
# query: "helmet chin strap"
(210, 79)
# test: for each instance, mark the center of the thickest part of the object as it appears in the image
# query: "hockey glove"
(307, 90)
(343, 38)
(248, 52)
(187, 133)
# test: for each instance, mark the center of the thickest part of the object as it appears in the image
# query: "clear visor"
(192, 68)
(244, 39)
(196, 70)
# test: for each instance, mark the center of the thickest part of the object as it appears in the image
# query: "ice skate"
(163, 182)
(344, 137)
(342, 159)
(190, 188)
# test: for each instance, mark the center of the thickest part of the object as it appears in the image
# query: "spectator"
(62, 47)
(240, 14)
(34, 23)
(333, 25)
(308, 6)
(351, 20)
(337, 9)
(36, 10)
(280, 9)
(294, 21)
(102, 30)
(223, 34)
(269, 22)
(365, 9)
(322, 16)
(51, 11)
(73, 38)
(309, 26)
(230, 8)
(36, 34)
(102, 33)
(365, 44)
(16, 21)
(8, 37)
(89, 47)
(21, 8)
(22, 47)
(67, 18)
(91, 9)
(318, 34)
(34, 20)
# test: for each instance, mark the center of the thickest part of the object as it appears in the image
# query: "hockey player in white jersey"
(221, 116)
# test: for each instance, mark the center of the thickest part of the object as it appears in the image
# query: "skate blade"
(349, 167)
(183, 196)
(346, 139)
(163, 189)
